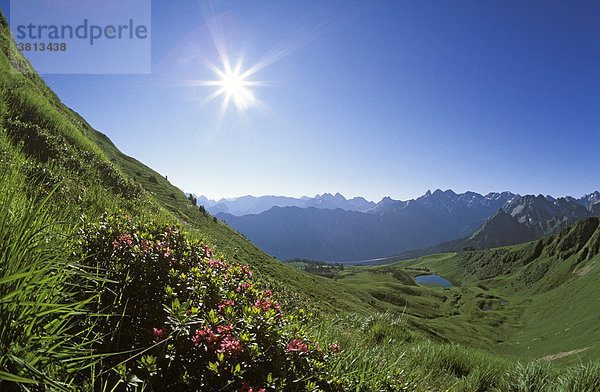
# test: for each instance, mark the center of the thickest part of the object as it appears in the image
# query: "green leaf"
(214, 367)
(14, 378)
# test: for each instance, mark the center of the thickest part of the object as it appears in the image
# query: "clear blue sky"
(378, 98)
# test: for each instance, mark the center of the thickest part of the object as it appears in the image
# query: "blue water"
(486, 308)
(433, 279)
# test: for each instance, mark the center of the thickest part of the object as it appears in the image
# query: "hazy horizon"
(348, 197)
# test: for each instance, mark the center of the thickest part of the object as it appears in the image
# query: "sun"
(233, 84)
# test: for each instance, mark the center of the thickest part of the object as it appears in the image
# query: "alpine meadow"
(114, 279)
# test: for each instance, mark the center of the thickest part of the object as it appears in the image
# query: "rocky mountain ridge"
(454, 221)
(246, 205)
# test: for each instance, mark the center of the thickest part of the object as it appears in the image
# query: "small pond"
(486, 308)
(433, 279)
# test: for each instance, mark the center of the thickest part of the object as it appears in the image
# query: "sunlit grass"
(42, 296)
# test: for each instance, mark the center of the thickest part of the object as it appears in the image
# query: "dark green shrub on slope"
(208, 324)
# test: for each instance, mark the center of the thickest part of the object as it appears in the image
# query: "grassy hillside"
(550, 286)
(59, 145)
(108, 273)
(557, 276)
(50, 157)
(528, 301)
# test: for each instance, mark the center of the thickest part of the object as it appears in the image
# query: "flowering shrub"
(203, 322)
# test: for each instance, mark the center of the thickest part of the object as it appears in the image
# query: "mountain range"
(256, 204)
(437, 221)
(66, 189)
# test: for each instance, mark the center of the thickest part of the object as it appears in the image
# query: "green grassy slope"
(562, 320)
(453, 314)
(551, 289)
(45, 145)
(527, 301)
(57, 141)
(558, 278)
(27, 103)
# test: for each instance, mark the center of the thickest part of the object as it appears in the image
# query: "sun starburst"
(233, 85)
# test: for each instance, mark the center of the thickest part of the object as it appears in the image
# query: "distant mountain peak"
(439, 194)
(248, 205)
(589, 199)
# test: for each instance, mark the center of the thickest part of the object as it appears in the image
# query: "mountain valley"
(113, 279)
